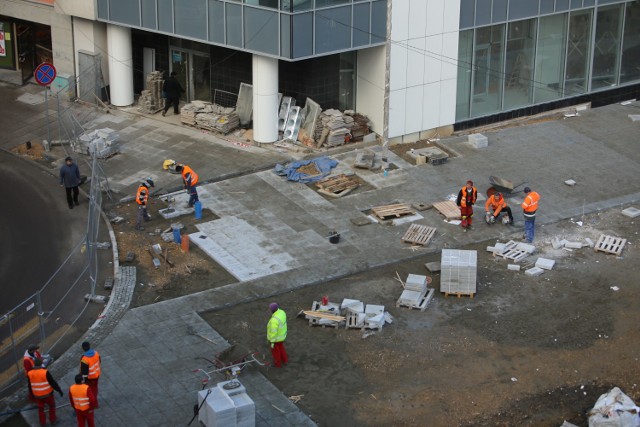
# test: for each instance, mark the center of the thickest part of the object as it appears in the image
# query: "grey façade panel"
(483, 12)
(216, 21)
(467, 13)
(125, 11)
(233, 19)
(519, 9)
(149, 14)
(332, 29)
(261, 30)
(302, 35)
(379, 21)
(191, 18)
(165, 15)
(361, 20)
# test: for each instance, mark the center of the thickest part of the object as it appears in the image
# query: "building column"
(120, 65)
(265, 99)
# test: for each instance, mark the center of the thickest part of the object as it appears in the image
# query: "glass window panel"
(103, 9)
(149, 14)
(578, 53)
(521, 42)
(333, 29)
(523, 8)
(378, 21)
(191, 18)
(361, 18)
(125, 11)
(265, 3)
(546, 6)
(576, 4)
(608, 1)
(302, 37)
(499, 11)
(606, 47)
(562, 5)
(323, 3)
(550, 55)
(488, 66)
(165, 15)
(467, 13)
(216, 21)
(463, 92)
(233, 25)
(261, 30)
(296, 5)
(630, 69)
(285, 35)
(483, 12)
(587, 3)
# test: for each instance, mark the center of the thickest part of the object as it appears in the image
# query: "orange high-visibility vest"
(143, 195)
(79, 394)
(530, 204)
(494, 205)
(40, 387)
(94, 365)
(187, 173)
(463, 201)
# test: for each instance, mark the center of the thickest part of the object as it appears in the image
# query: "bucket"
(325, 300)
(185, 243)
(334, 238)
(198, 210)
(176, 235)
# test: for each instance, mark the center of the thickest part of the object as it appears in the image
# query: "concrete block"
(478, 140)
(535, 271)
(513, 267)
(570, 182)
(372, 137)
(416, 279)
(556, 243)
(98, 299)
(374, 309)
(589, 242)
(545, 263)
(631, 212)
(108, 283)
(573, 245)
(433, 267)
(491, 249)
(499, 247)
(410, 297)
(528, 248)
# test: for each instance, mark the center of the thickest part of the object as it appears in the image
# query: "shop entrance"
(193, 72)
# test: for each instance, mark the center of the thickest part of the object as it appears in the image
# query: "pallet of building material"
(459, 294)
(422, 303)
(419, 234)
(337, 186)
(513, 251)
(448, 209)
(319, 317)
(610, 244)
(392, 211)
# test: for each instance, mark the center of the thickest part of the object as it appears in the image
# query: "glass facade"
(545, 51)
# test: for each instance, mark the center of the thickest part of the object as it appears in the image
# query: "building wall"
(423, 71)
(370, 83)
(79, 8)
(91, 36)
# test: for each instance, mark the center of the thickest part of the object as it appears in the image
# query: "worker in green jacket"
(276, 334)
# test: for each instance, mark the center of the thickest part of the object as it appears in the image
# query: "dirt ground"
(526, 351)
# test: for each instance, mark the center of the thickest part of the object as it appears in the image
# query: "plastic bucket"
(334, 238)
(198, 210)
(176, 236)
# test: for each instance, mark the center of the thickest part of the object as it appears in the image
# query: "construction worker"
(494, 206)
(142, 196)
(529, 208)
(190, 179)
(90, 368)
(276, 334)
(466, 198)
(41, 387)
(82, 401)
(30, 356)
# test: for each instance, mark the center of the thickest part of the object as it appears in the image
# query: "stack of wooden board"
(392, 211)
(448, 209)
(419, 234)
(337, 186)
(415, 293)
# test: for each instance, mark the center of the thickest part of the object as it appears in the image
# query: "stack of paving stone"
(361, 316)
(415, 289)
(102, 143)
(332, 126)
(458, 272)
(150, 101)
(213, 117)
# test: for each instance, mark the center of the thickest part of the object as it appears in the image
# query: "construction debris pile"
(351, 313)
(103, 143)
(151, 101)
(334, 128)
(209, 116)
(415, 293)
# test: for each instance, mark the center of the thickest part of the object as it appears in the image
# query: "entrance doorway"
(193, 72)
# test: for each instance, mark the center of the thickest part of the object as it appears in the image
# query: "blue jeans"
(193, 196)
(529, 228)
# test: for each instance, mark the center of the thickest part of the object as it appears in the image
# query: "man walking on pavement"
(466, 198)
(82, 401)
(41, 387)
(142, 196)
(495, 205)
(529, 208)
(90, 368)
(70, 180)
(190, 179)
(172, 90)
(276, 334)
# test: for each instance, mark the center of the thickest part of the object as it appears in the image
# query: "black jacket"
(172, 88)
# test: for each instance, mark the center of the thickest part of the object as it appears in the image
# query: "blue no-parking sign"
(45, 73)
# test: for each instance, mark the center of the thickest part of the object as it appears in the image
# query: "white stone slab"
(545, 263)
(631, 212)
(356, 307)
(535, 271)
(589, 242)
(513, 267)
(526, 247)
(349, 302)
(374, 309)
(410, 297)
(570, 182)
(478, 140)
(416, 279)
(573, 245)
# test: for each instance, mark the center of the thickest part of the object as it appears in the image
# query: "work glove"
(493, 219)
(61, 393)
(271, 345)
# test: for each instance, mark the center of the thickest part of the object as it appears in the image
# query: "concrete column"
(120, 65)
(265, 99)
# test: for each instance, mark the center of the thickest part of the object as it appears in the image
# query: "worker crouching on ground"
(82, 401)
(494, 206)
(41, 388)
(466, 198)
(190, 179)
(276, 334)
(142, 196)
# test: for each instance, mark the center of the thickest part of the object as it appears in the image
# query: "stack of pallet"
(150, 101)
(415, 293)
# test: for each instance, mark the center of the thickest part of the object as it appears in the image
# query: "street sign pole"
(45, 73)
(46, 102)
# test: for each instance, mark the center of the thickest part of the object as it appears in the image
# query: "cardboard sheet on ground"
(290, 170)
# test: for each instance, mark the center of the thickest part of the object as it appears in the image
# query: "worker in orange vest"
(30, 356)
(90, 368)
(494, 206)
(82, 401)
(529, 208)
(142, 196)
(41, 388)
(466, 198)
(190, 179)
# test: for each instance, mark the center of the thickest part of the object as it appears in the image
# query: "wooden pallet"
(448, 208)
(352, 323)
(328, 320)
(337, 186)
(422, 305)
(610, 244)
(511, 252)
(392, 211)
(459, 294)
(419, 234)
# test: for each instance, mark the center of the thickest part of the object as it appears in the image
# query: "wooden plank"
(322, 315)
(448, 209)
(610, 244)
(459, 294)
(396, 210)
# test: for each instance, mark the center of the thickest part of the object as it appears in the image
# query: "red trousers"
(279, 354)
(466, 213)
(93, 385)
(51, 401)
(85, 417)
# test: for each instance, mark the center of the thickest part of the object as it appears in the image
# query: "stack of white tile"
(226, 407)
(360, 315)
(415, 288)
(458, 271)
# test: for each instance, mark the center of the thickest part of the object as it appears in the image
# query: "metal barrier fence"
(51, 313)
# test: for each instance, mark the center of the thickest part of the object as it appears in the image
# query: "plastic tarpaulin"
(614, 409)
(290, 170)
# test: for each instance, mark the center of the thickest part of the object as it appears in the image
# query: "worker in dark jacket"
(466, 198)
(172, 90)
(70, 180)
(41, 387)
